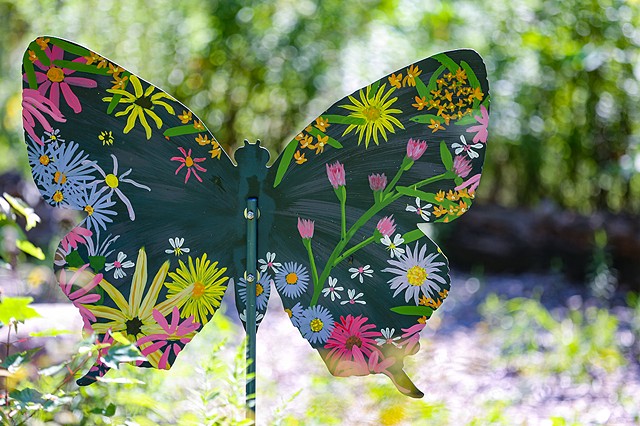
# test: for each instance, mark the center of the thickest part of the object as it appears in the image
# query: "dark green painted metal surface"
(342, 210)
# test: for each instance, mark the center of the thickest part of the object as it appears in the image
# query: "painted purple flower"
(377, 181)
(34, 106)
(85, 282)
(462, 166)
(472, 183)
(336, 174)
(55, 79)
(415, 149)
(481, 129)
(172, 340)
(386, 226)
(305, 227)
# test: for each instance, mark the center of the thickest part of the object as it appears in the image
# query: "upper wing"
(355, 270)
(162, 234)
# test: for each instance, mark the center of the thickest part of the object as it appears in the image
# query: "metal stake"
(251, 214)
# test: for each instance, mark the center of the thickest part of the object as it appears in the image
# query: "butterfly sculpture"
(343, 210)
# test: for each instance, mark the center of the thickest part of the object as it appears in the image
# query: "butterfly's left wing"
(353, 192)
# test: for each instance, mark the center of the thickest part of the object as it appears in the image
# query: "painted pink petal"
(81, 82)
(89, 298)
(164, 360)
(40, 65)
(160, 319)
(56, 53)
(42, 89)
(40, 77)
(54, 94)
(70, 97)
(176, 349)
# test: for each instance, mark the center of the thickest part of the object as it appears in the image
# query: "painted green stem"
(406, 165)
(354, 249)
(314, 271)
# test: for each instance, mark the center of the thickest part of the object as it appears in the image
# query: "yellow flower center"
(416, 275)
(88, 209)
(58, 197)
(289, 312)
(60, 178)
(291, 278)
(111, 180)
(55, 74)
(259, 289)
(44, 160)
(198, 290)
(188, 161)
(371, 113)
(316, 325)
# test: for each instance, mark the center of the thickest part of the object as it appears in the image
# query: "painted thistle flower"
(377, 181)
(336, 174)
(462, 166)
(386, 226)
(305, 228)
(415, 149)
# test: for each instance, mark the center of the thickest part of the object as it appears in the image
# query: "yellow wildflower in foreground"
(197, 289)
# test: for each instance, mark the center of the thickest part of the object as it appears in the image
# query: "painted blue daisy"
(295, 313)
(96, 203)
(71, 168)
(292, 279)
(316, 324)
(41, 161)
(263, 290)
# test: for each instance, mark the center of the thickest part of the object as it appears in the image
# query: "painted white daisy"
(420, 210)
(416, 273)
(387, 337)
(468, 149)
(54, 136)
(332, 290)
(269, 262)
(176, 246)
(393, 246)
(119, 265)
(353, 298)
(361, 271)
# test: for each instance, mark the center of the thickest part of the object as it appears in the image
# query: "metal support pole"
(251, 214)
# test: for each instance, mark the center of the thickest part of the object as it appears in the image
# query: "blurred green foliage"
(564, 74)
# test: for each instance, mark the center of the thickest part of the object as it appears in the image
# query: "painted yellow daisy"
(133, 317)
(197, 288)
(141, 103)
(375, 113)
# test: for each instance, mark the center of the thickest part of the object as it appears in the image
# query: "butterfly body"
(340, 212)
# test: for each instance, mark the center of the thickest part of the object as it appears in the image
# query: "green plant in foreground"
(581, 344)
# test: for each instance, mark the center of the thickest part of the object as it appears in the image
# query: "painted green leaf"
(413, 310)
(426, 118)
(471, 75)
(71, 47)
(187, 129)
(78, 66)
(74, 260)
(374, 89)
(331, 141)
(287, 156)
(466, 120)
(412, 236)
(341, 119)
(423, 91)
(447, 62)
(97, 262)
(29, 71)
(434, 78)
(445, 155)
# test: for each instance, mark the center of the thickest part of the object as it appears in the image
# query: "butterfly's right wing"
(163, 232)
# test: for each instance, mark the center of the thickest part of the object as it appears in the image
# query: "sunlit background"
(555, 232)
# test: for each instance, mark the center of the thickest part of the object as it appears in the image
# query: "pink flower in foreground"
(336, 175)
(85, 282)
(305, 228)
(351, 332)
(57, 79)
(462, 166)
(411, 338)
(191, 163)
(481, 130)
(172, 340)
(386, 226)
(472, 183)
(415, 149)
(34, 106)
(377, 182)
(77, 235)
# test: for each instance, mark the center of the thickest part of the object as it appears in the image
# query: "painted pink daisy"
(175, 336)
(34, 106)
(351, 332)
(77, 235)
(85, 282)
(54, 79)
(481, 130)
(361, 366)
(191, 164)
